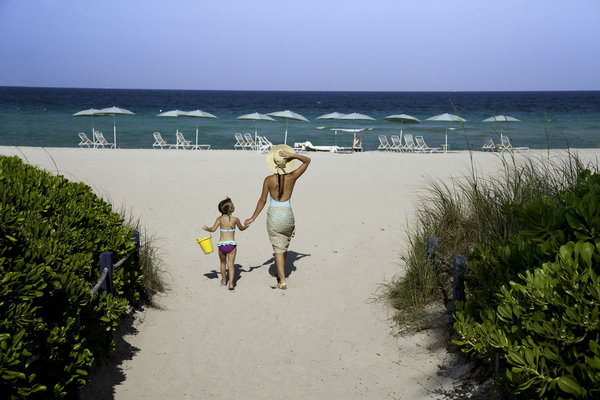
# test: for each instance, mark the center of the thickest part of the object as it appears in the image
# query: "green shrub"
(51, 234)
(533, 299)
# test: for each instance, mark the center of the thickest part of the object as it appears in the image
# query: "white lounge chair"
(264, 144)
(101, 141)
(240, 143)
(488, 144)
(85, 141)
(357, 143)
(409, 143)
(181, 141)
(422, 146)
(383, 143)
(505, 144)
(396, 143)
(252, 145)
(160, 142)
(308, 146)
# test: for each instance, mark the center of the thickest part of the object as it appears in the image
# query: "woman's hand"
(248, 222)
(205, 228)
(287, 155)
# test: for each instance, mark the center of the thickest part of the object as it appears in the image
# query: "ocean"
(44, 116)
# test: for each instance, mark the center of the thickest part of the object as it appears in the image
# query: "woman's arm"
(302, 168)
(212, 228)
(260, 205)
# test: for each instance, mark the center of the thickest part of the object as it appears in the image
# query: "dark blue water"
(43, 116)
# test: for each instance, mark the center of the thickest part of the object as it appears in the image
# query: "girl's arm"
(260, 205)
(214, 227)
(241, 227)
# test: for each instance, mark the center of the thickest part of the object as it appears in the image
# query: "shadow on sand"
(107, 372)
(290, 267)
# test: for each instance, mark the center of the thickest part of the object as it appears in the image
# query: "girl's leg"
(280, 264)
(222, 258)
(231, 265)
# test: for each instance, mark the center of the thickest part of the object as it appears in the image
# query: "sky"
(351, 45)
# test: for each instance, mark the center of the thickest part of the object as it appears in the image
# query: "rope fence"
(107, 268)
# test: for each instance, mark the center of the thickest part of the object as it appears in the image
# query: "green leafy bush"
(51, 234)
(534, 298)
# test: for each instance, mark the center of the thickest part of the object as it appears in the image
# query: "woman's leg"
(280, 264)
(231, 265)
(222, 259)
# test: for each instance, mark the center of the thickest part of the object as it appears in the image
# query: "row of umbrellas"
(287, 115)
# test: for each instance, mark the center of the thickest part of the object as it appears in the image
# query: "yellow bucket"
(206, 244)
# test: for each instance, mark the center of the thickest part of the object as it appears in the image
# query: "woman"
(280, 218)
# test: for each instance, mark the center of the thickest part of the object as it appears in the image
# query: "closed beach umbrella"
(173, 113)
(334, 115)
(447, 118)
(501, 118)
(90, 112)
(255, 117)
(287, 115)
(114, 111)
(197, 114)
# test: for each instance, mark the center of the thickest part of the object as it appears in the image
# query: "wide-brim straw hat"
(276, 163)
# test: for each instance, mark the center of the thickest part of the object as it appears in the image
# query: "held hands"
(247, 222)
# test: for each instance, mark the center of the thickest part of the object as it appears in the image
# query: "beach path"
(324, 337)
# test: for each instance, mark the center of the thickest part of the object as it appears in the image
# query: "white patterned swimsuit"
(280, 224)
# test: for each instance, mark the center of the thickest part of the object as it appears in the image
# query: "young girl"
(227, 245)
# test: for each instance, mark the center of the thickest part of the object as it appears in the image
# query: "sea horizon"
(43, 116)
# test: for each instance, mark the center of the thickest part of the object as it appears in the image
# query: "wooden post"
(432, 248)
(106, 262)
(458, 280)
(136, 254)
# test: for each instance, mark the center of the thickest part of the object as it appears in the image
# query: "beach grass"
(151, 264)
(462, 213)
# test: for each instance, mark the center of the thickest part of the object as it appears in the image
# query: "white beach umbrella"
(90, 112)
(333, 115)
(256, 116)
(174, 114)
(501, 118)
(114, 111)
(197, 114)
(287, 115)
(357, 116)
(402, 119)
(447, 118)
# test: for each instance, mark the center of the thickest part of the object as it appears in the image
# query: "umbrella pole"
(286, 127)
(196, 135)
(93, 136)
(114, 131)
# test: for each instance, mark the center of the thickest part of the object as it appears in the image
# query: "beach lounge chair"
(409, 143)
(185, 144)
(264, 144)
(488, 144)
(422, 146)
(357, 143)
(240, 143)
(505, 144)
(101, 141)
(160, 142)
(85, 141)
(252, 145)
(396, 143)
(383, 143)
(308, 146)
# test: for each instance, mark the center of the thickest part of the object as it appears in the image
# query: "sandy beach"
(324, 337)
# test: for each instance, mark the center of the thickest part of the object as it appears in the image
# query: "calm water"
(43, 116)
